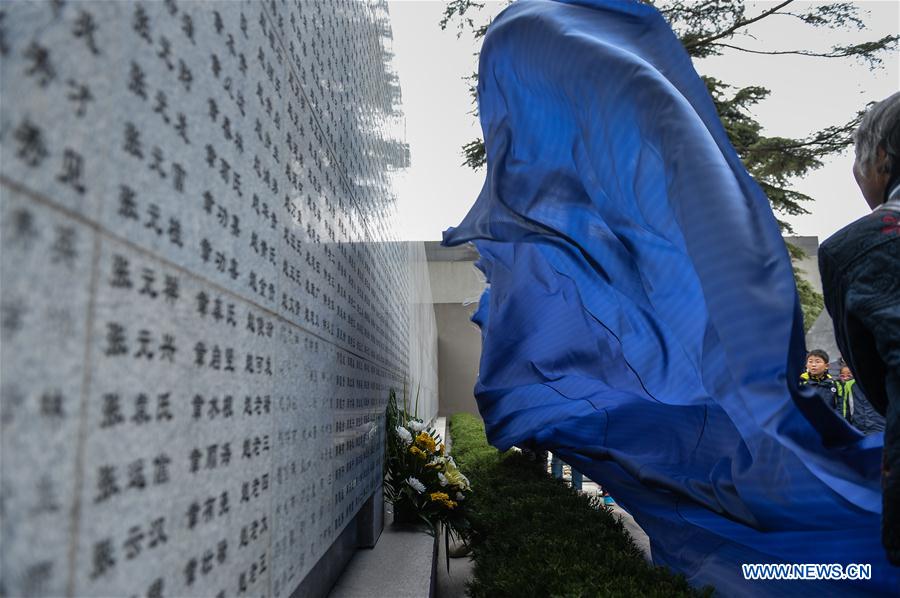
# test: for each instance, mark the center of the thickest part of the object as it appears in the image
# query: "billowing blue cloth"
(642, 319)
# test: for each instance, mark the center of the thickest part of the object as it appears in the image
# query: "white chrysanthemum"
(415, 484)
(451, 461)
(404, 435)
(442, 478)
(415, 426)
(460, 496)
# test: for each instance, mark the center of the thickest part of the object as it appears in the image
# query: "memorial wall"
(203, 301)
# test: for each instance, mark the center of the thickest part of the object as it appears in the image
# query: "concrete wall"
(455, 282)
(423, 333)
(456, 286)
(459, 351)
(808, 266)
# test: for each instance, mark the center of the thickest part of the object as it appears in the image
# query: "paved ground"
(452, 584)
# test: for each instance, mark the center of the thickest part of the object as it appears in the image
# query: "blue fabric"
(642, 319)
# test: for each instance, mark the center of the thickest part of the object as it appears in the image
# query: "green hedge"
(535, 536)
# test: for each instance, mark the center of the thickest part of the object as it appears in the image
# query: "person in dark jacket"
(864, 417)
(818, 379)
(860, 268)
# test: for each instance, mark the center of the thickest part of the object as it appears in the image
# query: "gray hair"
(879, 127)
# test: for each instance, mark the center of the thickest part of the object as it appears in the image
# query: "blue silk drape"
(642, 319)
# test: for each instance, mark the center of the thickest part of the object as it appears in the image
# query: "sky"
(807, 94)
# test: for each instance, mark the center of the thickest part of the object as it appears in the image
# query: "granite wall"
(203, 301)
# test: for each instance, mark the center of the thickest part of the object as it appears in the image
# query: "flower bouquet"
(420, 480)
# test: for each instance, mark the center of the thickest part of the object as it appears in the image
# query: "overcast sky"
(807, 94)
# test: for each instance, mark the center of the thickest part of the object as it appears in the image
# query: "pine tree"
(708, 28)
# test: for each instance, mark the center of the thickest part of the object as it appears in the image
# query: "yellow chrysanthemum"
(443, 498)
(425, 441)
(418, 452)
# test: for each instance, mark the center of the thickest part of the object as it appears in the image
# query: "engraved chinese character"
(170, 290)
(165, 52)
(136, 478)
(209, 509)
(133, 141)
(112, 411)
(41, 66)
(185, 76)
(32, 149)
(163, 407)
(207, 562)
(161, 471)
(205, 250)
(216, 66)
(85, 27)
(153, 215)
(107, 486)
(141, 416)
(193, 513)
(187, 27)
(103, 558)
(52, 404)
(181, 128)
(157, 165)
(137, 83)
(141, 24)
(215, 359)
(190, 572)
(73, 167)
(167, 348)
(156, 589)
(195, 457)
(162, 104)
(63, 248)
(80, 95)
(115, 340)
(121, 276)
(127, 204)
(149, 277)
(144, 342)
(157, 534)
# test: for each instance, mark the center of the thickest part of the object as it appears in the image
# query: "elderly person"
(860, 267)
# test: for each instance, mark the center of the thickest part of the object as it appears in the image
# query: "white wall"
(423, 365)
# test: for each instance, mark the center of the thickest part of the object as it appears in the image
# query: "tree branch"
(736, 26)
(842, 52)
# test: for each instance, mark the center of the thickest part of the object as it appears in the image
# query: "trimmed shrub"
(533, 535)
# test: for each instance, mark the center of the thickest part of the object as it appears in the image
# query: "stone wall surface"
(203, 301)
